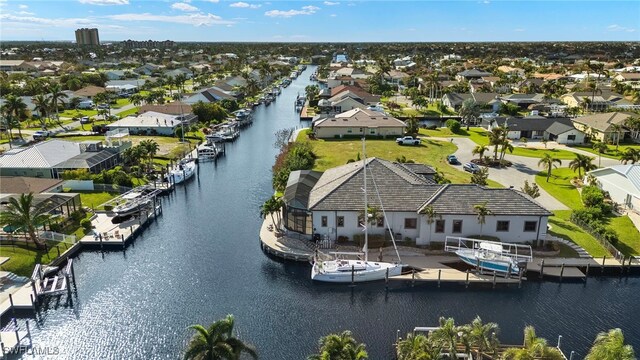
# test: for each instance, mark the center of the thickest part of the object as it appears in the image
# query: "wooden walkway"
(109, 233)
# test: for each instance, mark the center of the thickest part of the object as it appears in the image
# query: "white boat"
(491, 256)
(347, 271)
(215, 137)
(183, 172)
(132, 206)
(207, 152)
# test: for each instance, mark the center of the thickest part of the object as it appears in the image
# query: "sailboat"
(348, 271)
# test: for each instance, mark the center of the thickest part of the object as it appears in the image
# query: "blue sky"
(334, 21)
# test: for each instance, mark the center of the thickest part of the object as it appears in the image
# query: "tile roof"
(558, 128)
(360, 118)
(89, 91)
(340, 188)
(24, 185)
(459, 199)
(603, 121)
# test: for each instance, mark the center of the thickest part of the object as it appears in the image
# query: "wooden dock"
(110, 234)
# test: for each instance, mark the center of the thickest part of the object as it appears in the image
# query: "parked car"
(85, 120)
(408, 140)
(471, 167)
(103, 106)
(453, 160)
(41, 134)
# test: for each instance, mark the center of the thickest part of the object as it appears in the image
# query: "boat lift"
(520, 254)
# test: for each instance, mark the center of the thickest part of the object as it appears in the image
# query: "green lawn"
(560, 187)
(628, 235)
(131, 111)
(562, 227)
(23, 258)
(73, 113)
(444, 132)
(120, 103)
(611, 152)
(332, 153)
(95, 199)
(478, 135)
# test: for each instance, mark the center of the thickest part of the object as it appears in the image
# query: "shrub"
(342, 239)
(86, 224)
(432, 127)
(610, 235)
(55, 227)
(592, 196)
(588, 215)
(453, 125)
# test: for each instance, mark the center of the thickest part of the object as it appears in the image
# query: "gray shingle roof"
(558, 128)
(460, 199)
(46, 154)
(340, 188)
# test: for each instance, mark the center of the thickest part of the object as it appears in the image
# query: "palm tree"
(548, 162)
(496, 136)
(483, 336)
(15, 109)
(340, 347)
(617, 128)
(217, 342)
(534, 348)
(136, 99)
(418, 347)
(21, 213)
(431, 215)
(469, 111)
(447, 334)
(273, 205)
(412, 125)
(630, 155)
(482, 211)
(582, 162)
(505, 146)
(610, 346)
(74, 102)
(57, 97)
(480, 150)
(151, 148)
(42, 105)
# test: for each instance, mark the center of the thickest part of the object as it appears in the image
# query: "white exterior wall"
(331, 132)
(563, 138)
(348, 104)
(471, 227)
(618, 187)
(396, 223)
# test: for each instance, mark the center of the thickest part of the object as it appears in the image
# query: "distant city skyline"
(322, 21)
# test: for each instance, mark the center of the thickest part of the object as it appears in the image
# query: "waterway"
(202, 261)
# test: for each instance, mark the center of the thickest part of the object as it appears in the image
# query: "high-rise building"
(88, 37)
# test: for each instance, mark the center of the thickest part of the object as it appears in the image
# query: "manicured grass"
(444, 132)
(628, 235)
(71, 113)
(95, 199)
(611, 152)
(120, 103)
(562, 227)
(332, 153)
(560, 187)
(131, 111)
(478, 135)
(23, 258)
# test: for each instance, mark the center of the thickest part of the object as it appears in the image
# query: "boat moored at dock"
(491, 256)
(185, 170)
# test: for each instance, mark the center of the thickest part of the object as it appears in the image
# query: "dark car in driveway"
(453, 160)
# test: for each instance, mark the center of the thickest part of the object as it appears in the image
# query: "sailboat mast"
(366, 208)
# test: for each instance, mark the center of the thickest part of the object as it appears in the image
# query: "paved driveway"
(523, 168)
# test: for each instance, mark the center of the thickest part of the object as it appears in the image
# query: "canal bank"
(202, 260)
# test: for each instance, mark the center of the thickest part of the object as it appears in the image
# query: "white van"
(88, 104)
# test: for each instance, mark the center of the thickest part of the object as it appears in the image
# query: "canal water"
(202, 261)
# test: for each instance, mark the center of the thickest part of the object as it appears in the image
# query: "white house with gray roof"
(358, 122)
(622, 182)
(330, 203)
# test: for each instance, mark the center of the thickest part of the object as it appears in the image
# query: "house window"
(530, 226)
(502, 226)
(372, 131)
(439, 226)
(324, 221)
(340, 221)
(457, 227)
(380, 222)
(571, 137)
(349, 130)
(410, 223)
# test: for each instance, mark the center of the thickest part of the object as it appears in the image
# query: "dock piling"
(541, 269)
(571, 355)
(29, 334)
(13, 308)
(58, 248)
(413, 277)
(494, 279)
(509, 271)
(622, 266)
(603, 260)
(520, 278)
(439, 275)
(561, 272)
(386, 280)
(586, 272)
(353, 273)
(466, 283)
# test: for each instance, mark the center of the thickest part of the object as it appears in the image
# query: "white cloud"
(60, 22)
(299, 37)
(23, 7)
(199, 19)
(306, 10)
(105, 2)
(24, 13)
(331, 3)
(616, 27)
(184, 7)
(333, 15)
(213, 1)
(245, 5)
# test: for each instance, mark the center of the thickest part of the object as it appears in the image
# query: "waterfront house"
(329, 205)
(25, 185)
(152, 123)
(622, 182)
(560, 130)
(210, 95)
(599, 126)
(367, 98)
(48, 159)
(358, 122)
